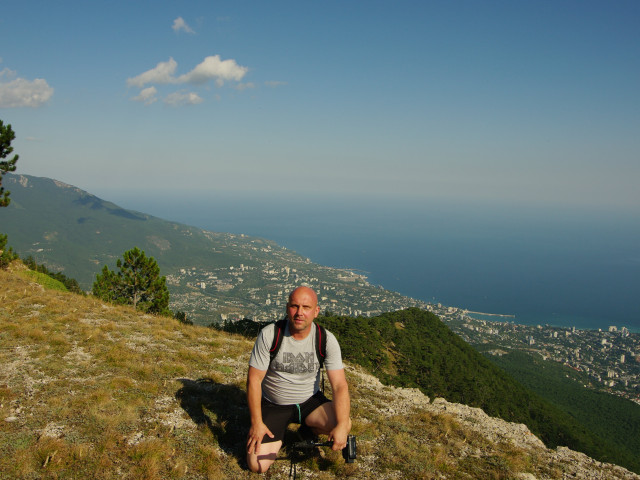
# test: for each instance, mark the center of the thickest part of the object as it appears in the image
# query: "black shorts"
(278, 417)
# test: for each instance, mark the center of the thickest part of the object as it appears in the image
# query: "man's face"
(302, 309)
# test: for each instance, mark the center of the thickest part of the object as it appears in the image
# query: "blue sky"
(511, 101)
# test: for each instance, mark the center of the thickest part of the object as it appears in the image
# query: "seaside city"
(609, 357)
(257, 289)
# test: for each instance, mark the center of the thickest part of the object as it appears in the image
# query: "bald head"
(304, 291)
(302, 309)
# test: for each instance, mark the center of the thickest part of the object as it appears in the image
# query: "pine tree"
(106, 286)
(7, 255)
(138, 283)
(6, 137)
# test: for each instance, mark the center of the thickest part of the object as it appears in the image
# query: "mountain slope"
(76, 232)
(414, 348)
(418, 350)
(210, 275)
(89, 390)
(613, 419)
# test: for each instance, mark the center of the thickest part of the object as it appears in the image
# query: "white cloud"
(6, 72)
(147, 96)
(180, 24)
(162, 73)
(211, 68)
(178, 99)
(22, 92)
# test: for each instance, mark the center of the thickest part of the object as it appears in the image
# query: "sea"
(542, 264)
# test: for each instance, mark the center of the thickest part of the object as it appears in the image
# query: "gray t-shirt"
(294, 375)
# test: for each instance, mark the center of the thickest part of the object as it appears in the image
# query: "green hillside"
(413, 348)
(73, 231)
(614, 419)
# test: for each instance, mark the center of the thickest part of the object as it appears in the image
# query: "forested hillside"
(614, 419)
(413, 348)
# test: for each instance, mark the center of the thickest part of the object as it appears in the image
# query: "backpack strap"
(278, 335)
(321, 344)
(321, 351)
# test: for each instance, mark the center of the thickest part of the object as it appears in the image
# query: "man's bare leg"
(261, 461)
(323, 419)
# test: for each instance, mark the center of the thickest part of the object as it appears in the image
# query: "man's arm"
(342, 408)
(254, 397)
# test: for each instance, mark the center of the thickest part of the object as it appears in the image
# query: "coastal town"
(609, 357)
(253, 278)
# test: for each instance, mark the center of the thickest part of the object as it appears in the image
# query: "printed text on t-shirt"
(296, 363)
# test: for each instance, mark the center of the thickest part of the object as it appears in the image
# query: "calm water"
(561, 267)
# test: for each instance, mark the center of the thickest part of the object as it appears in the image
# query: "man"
(287, 389)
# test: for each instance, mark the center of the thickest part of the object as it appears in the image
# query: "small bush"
(45, 280)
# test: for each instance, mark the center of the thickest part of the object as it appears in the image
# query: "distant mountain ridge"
(62, 226)
(211, 275)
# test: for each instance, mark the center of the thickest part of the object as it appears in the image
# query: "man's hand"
(256, 434)
(342, 405)
(254, 395)
(339, 437)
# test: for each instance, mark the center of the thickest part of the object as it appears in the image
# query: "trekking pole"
(349, 452)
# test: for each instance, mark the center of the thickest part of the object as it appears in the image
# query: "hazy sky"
(511, 100)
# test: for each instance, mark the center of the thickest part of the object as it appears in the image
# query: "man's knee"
(258, 464)
(261, 461)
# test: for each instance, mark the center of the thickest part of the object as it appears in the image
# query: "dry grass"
(89, 390)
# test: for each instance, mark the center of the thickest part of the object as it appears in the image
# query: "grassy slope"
(89, 390)
(96, 389)
(44, 280)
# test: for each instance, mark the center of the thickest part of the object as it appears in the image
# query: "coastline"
(556, 321)
(504, 315)
(431, 259)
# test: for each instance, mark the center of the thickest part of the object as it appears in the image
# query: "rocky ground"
(89, 390)
(497, 431)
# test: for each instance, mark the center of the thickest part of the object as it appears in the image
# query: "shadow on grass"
(220, 408)
(223, 410)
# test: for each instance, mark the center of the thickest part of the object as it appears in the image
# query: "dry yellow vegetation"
(91, 390)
